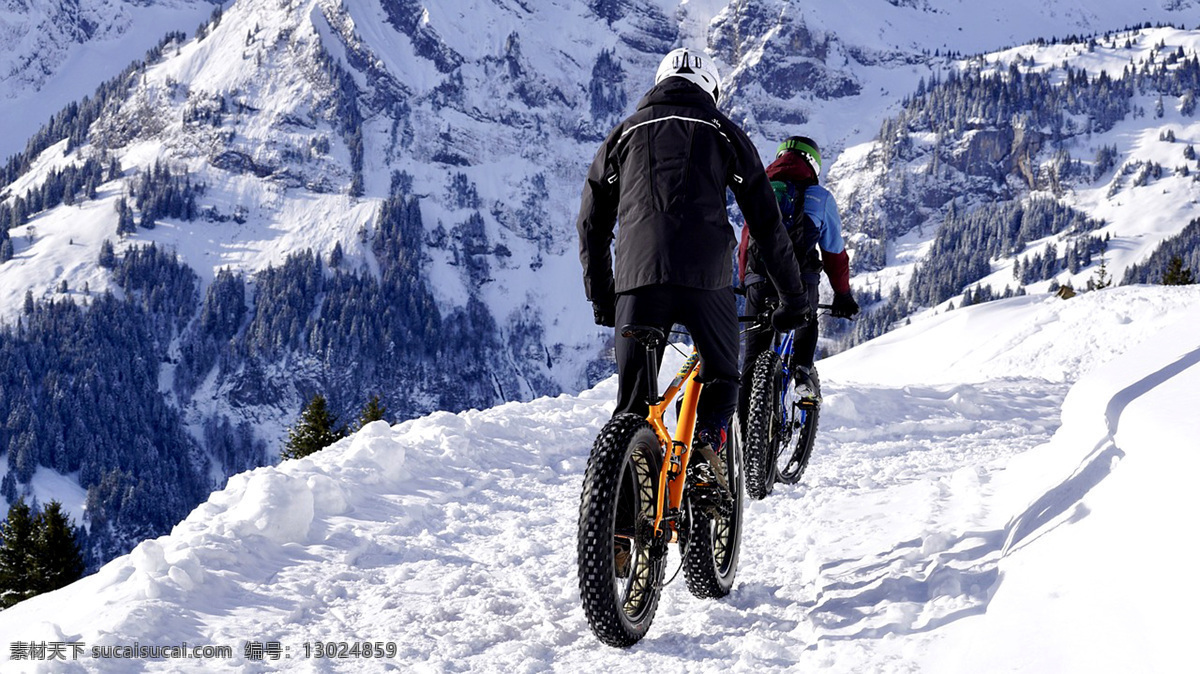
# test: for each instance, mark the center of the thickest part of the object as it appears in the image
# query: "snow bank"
(1095, 567)
(1036, 336)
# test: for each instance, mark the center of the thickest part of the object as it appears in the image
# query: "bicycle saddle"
(647, 335)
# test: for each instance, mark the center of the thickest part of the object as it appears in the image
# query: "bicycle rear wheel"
(806, 414)
(620, 571)
(763, 424)
(714, 541)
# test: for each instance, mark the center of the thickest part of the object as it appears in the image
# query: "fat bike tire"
(763, 424)
(806, 413)
(710, 559)
(616, 515)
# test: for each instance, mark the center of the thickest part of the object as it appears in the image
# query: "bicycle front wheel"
(714, 542)
(763, 424)
(806, 413)
(620, 572)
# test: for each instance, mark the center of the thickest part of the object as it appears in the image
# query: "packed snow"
(999, 488)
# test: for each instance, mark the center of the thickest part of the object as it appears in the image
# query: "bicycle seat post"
(650, 338)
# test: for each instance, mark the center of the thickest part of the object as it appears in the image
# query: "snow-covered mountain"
(993, 489)
(53, 53)
(1030, 168)
(382, 191)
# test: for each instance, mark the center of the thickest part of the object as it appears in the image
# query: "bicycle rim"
(634, 509)
(794, 457)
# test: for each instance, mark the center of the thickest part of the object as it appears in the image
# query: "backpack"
(800, 228)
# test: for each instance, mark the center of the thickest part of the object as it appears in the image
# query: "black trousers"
(804, 348)
(710, 316)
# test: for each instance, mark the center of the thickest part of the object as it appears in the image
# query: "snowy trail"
(487, 541)
(920, 536)
(467, 559)
(889, 533)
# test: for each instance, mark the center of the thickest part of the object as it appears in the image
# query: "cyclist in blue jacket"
(814, 226)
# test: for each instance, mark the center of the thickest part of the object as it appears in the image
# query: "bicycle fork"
(785, 348)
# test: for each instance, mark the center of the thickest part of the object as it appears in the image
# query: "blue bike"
(782, 412)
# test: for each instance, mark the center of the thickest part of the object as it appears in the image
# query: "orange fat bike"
(640, 496)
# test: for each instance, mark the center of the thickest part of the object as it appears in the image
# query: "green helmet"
(805, 146)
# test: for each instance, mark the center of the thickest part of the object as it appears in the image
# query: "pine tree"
(126, 224)
(315, 430)
(1176, 275)
(373, 411)
(58, 561)
(1100, 279)
(17, 541)
(108, 257)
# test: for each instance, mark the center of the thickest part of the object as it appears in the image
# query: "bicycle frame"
(627, 522)
(678, 449)
(784, 348)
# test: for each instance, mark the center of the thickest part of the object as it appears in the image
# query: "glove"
(793, 311)
(605, 314)
(844, 305)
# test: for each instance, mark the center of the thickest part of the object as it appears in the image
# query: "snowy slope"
(948, 523)
(1095, 551)
(53, 52)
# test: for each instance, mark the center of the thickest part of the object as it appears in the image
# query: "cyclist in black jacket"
(663, 173)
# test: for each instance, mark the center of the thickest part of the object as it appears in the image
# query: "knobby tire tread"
(619, 438)
(807, 435)
(707, 576)
(762, 426)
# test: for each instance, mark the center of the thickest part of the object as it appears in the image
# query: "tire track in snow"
(910, 465)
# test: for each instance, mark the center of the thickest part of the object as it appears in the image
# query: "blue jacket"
(820, 206)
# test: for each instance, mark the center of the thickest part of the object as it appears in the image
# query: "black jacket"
(663, 173)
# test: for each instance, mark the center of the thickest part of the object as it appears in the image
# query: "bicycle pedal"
(701, 478)
(808, 403)
(713, 498)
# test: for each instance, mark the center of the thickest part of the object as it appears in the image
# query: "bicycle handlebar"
(765, 316)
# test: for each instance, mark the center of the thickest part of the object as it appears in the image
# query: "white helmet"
(691, 65)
